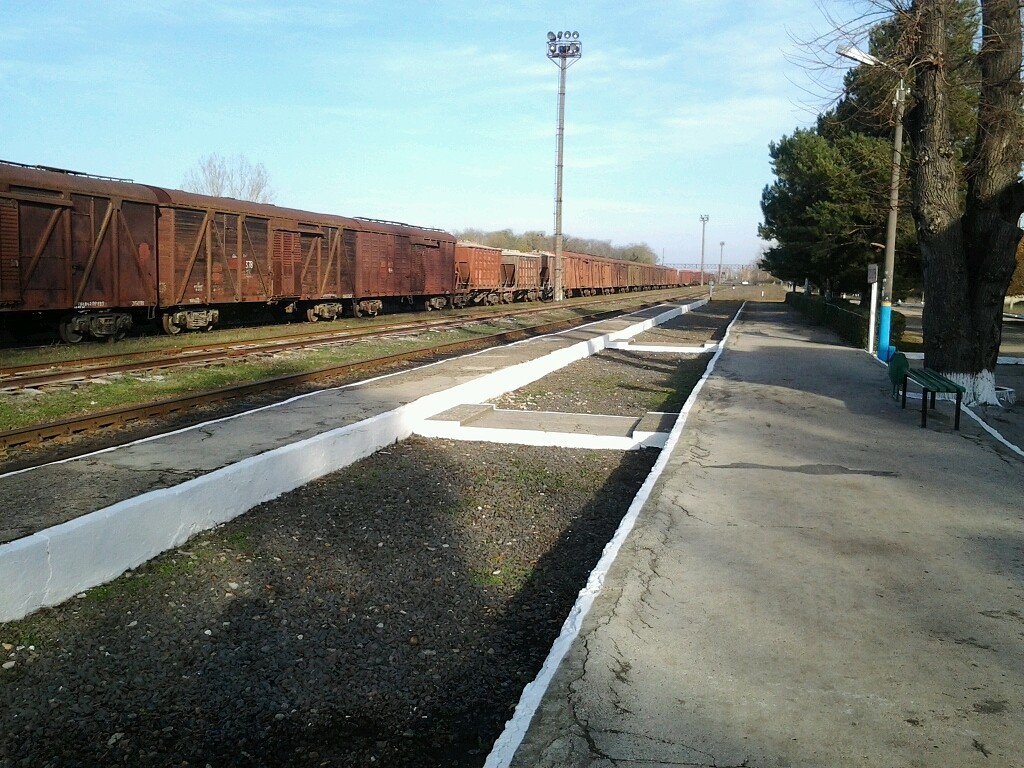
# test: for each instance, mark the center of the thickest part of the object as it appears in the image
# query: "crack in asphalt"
(647, 761)
(690, 514)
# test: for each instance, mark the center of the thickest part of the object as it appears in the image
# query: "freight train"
(89, 257)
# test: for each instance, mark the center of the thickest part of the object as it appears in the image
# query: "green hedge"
(850, 321)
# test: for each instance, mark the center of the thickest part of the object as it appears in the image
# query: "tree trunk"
(968, 249)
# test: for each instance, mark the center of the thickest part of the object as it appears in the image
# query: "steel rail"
(37, 434)
(40, 374)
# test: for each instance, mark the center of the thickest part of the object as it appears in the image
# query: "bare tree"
(966, 138)
(968, 241)
(234, 177)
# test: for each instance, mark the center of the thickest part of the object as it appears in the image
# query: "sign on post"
(872, 273)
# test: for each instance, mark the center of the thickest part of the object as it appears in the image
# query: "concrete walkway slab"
(815, 581)
(483, 422)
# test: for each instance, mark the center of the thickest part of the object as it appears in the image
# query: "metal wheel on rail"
(67, 332)
(170, 327)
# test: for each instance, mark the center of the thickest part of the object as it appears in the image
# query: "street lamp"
(885, 350)
(703, 224)
(721, 252)
(564, 49)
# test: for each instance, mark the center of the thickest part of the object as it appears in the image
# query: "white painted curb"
(53, 565)
(508, 742)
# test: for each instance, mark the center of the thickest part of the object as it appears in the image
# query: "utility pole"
(721, 251)
(885, 349)
(703, 224)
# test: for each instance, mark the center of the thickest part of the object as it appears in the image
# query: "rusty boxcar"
(521, 273)
(90, 256)
(93, 255)
(478, 275)
(77, 246)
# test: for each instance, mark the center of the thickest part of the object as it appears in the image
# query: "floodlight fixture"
(856, 54)
(564, 49)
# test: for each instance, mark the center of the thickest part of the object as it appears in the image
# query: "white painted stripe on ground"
(452, 431)
(995, 433)
(508, 742)
(242, 414)
(664, 348)
(51, 566)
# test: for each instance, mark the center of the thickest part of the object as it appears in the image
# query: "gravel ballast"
(389, 614)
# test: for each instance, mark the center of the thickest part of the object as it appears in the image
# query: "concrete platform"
(814, 580)
(73, 524)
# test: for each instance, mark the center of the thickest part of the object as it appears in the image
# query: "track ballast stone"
(388, 614)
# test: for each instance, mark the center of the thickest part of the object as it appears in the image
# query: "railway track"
(39, 374)
(37, 434)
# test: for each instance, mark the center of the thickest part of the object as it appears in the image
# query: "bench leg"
(956, 419)
(924, 407)
(932, 406)
(904, 390)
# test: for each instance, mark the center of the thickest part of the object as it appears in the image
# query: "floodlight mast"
(564, 49)
(885, 351)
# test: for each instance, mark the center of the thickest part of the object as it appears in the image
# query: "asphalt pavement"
(814, 581)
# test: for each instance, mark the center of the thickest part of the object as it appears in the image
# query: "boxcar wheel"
(170, 327)
(68, 334)
(311, 315)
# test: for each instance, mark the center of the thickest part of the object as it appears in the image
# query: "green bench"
(930, 382)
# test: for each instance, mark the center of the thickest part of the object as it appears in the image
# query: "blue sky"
(439, 113)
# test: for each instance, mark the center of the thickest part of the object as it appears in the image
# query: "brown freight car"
(587, 275)
(92, 255)
(521, 273)
(80, 248)
(479, 278)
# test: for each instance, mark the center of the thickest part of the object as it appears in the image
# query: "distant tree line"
(535, 240)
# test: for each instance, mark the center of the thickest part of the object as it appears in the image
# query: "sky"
(437, 113)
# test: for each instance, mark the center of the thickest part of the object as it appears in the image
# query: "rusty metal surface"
(70, 241)
(527, 272)
(478, 267)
